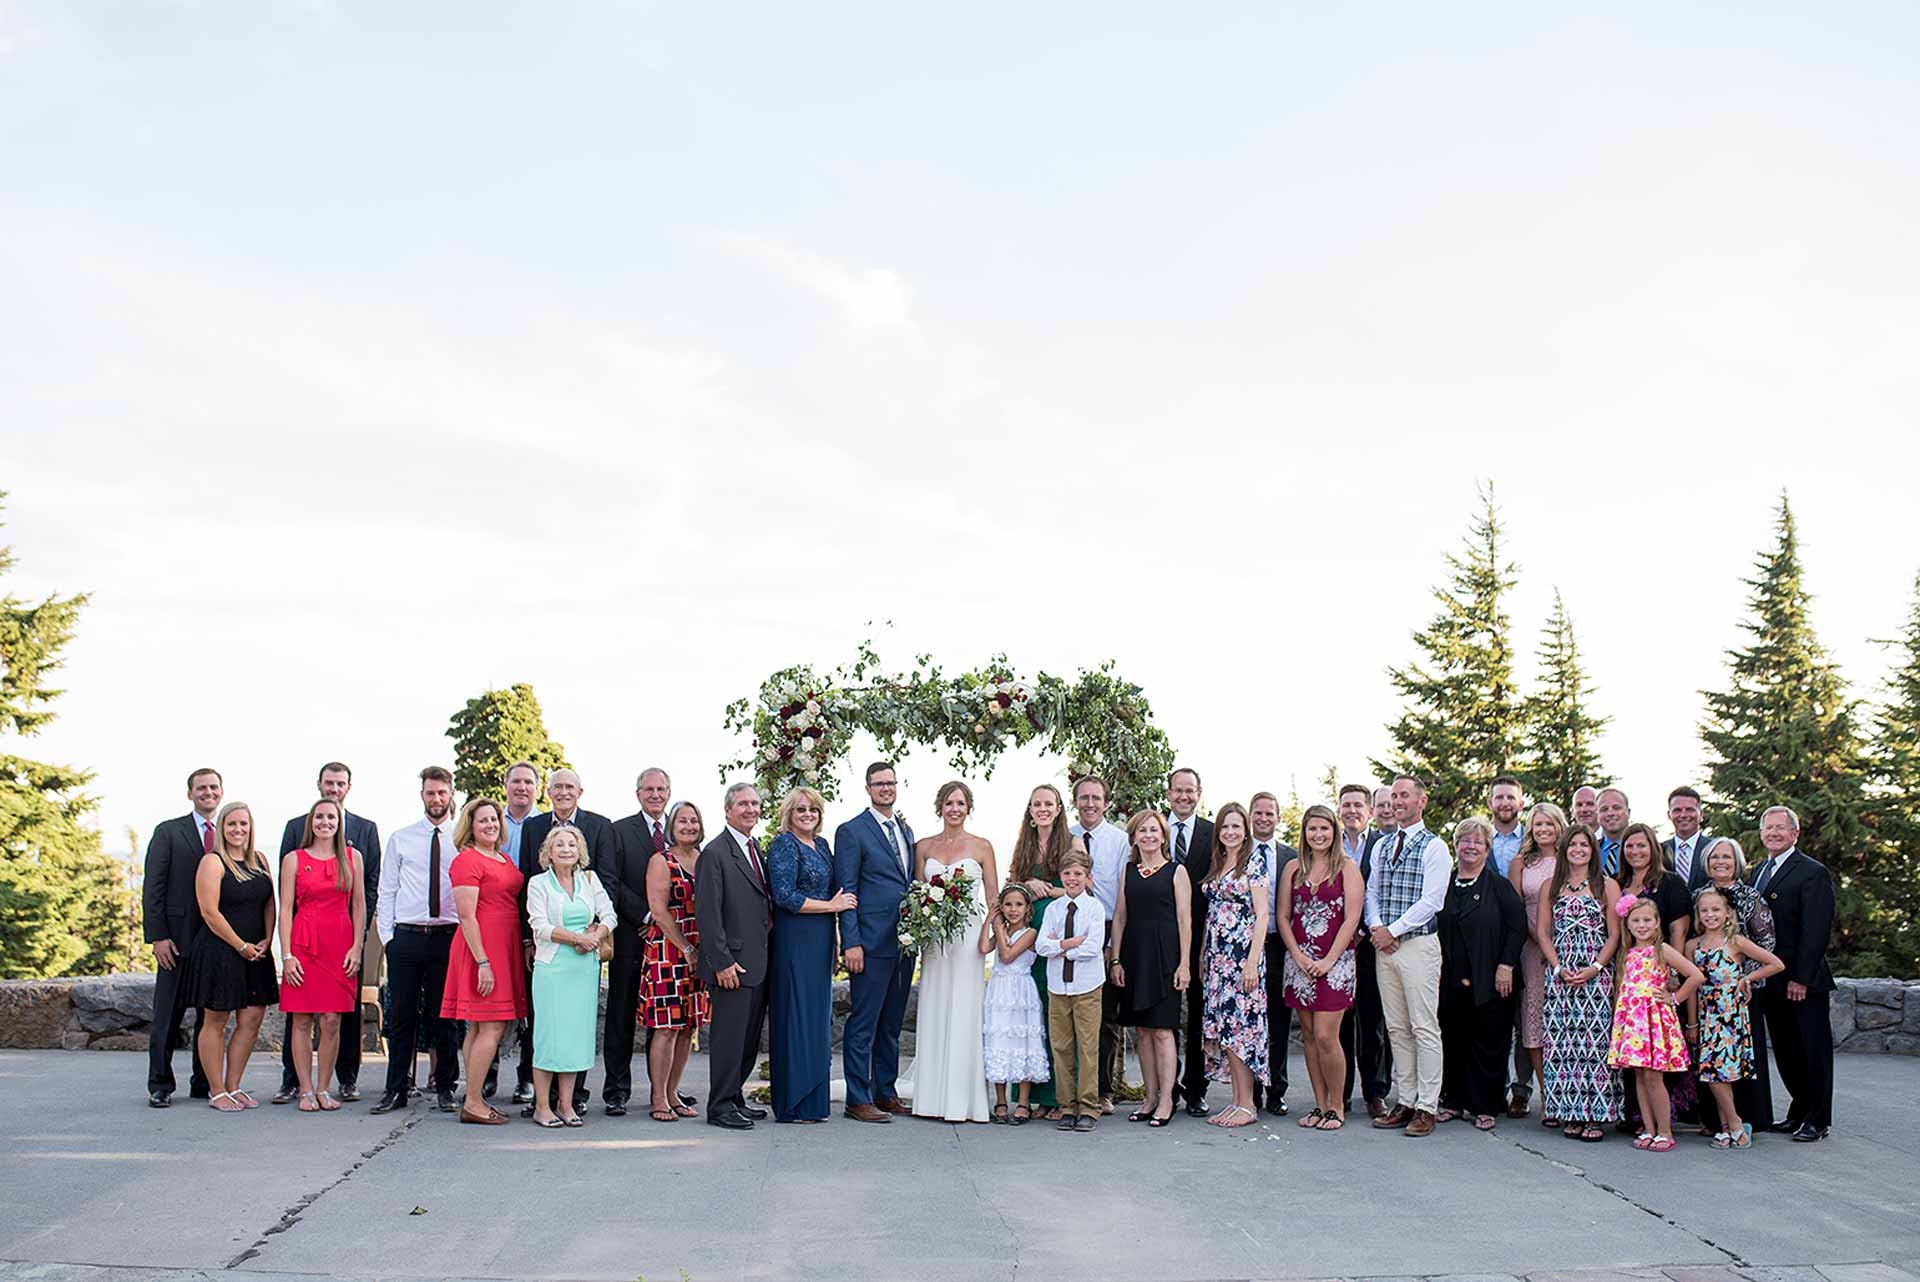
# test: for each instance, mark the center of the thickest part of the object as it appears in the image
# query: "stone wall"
(1876, 1016)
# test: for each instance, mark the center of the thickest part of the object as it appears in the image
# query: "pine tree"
(1785, 734)
(63, 899)
(1559, 752)
(1896, 804)
(1462, 723)
(495, 730)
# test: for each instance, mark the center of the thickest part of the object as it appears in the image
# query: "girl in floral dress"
(1717, 1019)
(1646, 1032)
(1233, 978)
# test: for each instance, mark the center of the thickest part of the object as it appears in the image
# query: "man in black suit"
(1687, 848)
(1363, 1030)
(1192, 837)
(1263, 830)
(637, 839)
(1799, 890)
(170, 918)
(735, 914)
(563, 790)
(336, 780)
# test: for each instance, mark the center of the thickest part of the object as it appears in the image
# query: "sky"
(358, 357)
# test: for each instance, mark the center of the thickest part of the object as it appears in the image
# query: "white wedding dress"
(949, 1070)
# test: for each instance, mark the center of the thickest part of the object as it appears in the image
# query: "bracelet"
(483, 962)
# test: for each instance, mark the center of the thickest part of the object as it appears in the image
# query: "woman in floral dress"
(1321, 899)
(1233, 979)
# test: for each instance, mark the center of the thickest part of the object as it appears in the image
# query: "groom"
(873, 857)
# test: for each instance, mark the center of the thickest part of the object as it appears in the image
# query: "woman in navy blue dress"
(800, 873)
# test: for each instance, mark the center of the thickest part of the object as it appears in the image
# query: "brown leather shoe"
(866, 1113)
(893, 1105)
(1399, 1117)
(1421, 1125)
(1376, 1108)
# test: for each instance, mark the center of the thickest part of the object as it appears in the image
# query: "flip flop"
(1484, 1122)
(664, 1115)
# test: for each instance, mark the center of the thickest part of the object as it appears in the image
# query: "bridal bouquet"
(937, 910)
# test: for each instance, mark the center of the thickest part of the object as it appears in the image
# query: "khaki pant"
(1410, 1002)
(1073, 1026)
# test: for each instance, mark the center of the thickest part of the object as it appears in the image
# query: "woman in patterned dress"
(1321, 901)
(1578, 935)
(672, 1001)
(1233, 970)
(1531, 870)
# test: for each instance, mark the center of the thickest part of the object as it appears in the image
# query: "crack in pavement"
(291, 1216)
(1011, 1234)
(1580, 1173)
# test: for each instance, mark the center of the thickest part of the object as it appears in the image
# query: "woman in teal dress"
(571, 916)
(1044, 838)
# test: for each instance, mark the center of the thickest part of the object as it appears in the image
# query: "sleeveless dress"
(566, 990)
(221, 978)
(1533, 962)
(949, 1068)
(1013, 1026)
(498, 916)
(321, 937)
(1646, 1030)
(1578, 1019)
(1150, 950)
(800, 980)
(1230, 1018)
(1726, 1026)
(671, 995)
(1318, 914)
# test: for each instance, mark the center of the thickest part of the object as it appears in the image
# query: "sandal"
(328, 1104)
(246, 1100)
(1642, 1140)
(1485, 1122)
(999, 1115)
(1660, 1144)
(1157, 1122)
(1743, 1140)
(1022, 1114)
(685, 1110)
(1446, 1115)
(664, 1115)
(1236, 1109)
(1573, 1131)
(1592, 1134)
(1551, 1122)
(1722, 1140)
(1311, 1122)
(309, 1102)
(1331, 1121)
(214, 1103)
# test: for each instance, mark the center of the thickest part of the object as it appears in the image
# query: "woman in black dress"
(230, 968)
(1152, 939)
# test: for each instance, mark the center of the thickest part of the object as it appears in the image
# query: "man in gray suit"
(735, 914)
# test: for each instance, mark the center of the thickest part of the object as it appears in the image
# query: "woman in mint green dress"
(570, 915)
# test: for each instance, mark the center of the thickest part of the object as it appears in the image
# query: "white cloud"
(870, 298)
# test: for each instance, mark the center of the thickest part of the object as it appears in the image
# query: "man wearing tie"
(636, 839)
(1192, 848)
(416, 920)
(1614, 814)
(1263, 826)
(1799, 890)
(170, 918)
(734, 911)
(1687, 848)
(1363, 1030)
(1108, 847)
(336, 780)
(873, 857)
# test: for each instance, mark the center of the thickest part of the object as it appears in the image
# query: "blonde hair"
(579, 839)
(1134, 825)
(1532, 852)
(463, 826)
(1472, 823)
(1336, 853)
(792, 801)
(1733, 912)
(251, 863)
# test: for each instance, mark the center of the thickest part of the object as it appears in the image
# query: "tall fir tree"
(1895, 751)
(495, 730)
(1463, 717)
(1559, 749)
(63, 900)
(1785, 733)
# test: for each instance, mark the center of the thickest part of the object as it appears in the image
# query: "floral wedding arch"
(803, 723)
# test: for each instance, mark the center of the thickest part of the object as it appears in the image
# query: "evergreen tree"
(1463, 719)
(1896, 804)
(495, 730)
(63, 900)
(1784, 733)
(1559, 752)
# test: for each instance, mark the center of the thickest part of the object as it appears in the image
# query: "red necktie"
(753, 857)
(659, 842)
(206, 838)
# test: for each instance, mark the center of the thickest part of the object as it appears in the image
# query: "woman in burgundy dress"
(323, 920)
(1321, 898)
(486, 976)
(672, 1001)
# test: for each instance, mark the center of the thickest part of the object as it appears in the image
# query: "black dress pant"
(1190, 1070)
(1363, 1033)
(1279, 1025)
(417, 974)
(739, 1019)
(1475, 1041)
(1803, 1049)
(346, 1068)
(623, 1009)
(163, 1034)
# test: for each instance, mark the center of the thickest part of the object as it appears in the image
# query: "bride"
(949, 1070)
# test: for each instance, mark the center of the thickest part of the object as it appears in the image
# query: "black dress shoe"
(159, 1099)
(732, 1121)
(757, 1114)
(446, 1103)
(349, 1093)
(492, 1084)
(200, 1092)
(1808, 1133)
(527, 1111)
(1785, 1127)
(389, 1101)
(687, 1101)
(1198, 1109)
(1277, 1108)
(523, 1094)
(580, 1102)
(286, 1094)
(616, 1108)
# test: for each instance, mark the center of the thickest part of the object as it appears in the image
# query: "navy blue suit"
(865, 862)
(364, 836)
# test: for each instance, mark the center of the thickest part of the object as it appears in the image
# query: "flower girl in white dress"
(1013, 1031)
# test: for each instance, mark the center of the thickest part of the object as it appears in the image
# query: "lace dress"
(1013, 1028)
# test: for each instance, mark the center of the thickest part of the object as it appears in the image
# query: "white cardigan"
(547, 906)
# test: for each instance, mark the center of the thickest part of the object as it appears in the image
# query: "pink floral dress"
(1319, 911)
(1646, 1028)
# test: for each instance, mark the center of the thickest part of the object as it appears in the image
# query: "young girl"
(1717, 1019)
(1646, 1031)
(1013, 1031)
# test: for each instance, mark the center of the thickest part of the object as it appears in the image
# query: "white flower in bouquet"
(803, 761)
(813, 707)
(770, 755)
(936, 892)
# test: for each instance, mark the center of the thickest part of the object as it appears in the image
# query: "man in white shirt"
(416, 919)
(1404, 895)
(1072, 938)
(1107, 846)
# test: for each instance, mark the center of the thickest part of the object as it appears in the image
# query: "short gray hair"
(1782, 810)
(734, 790)
(1474, 823)
(641, 778)
(569, 772)
(1739, 855)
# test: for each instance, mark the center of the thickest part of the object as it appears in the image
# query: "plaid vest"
(1400, 879)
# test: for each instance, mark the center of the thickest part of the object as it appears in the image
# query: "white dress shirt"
(1436, 869)
(403, 877)
(1088, 920)
(1771, 869)
(1108, 847)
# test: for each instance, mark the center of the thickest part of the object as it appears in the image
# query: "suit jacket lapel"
(892, 860)
(746, 865)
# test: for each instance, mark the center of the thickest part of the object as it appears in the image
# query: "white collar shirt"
(1108, 848)
(404, 875)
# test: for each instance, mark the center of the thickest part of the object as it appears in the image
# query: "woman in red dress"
(672, 1001)
(323, 919)
(486, 974)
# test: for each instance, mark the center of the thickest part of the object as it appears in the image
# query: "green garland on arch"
(803, 722)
